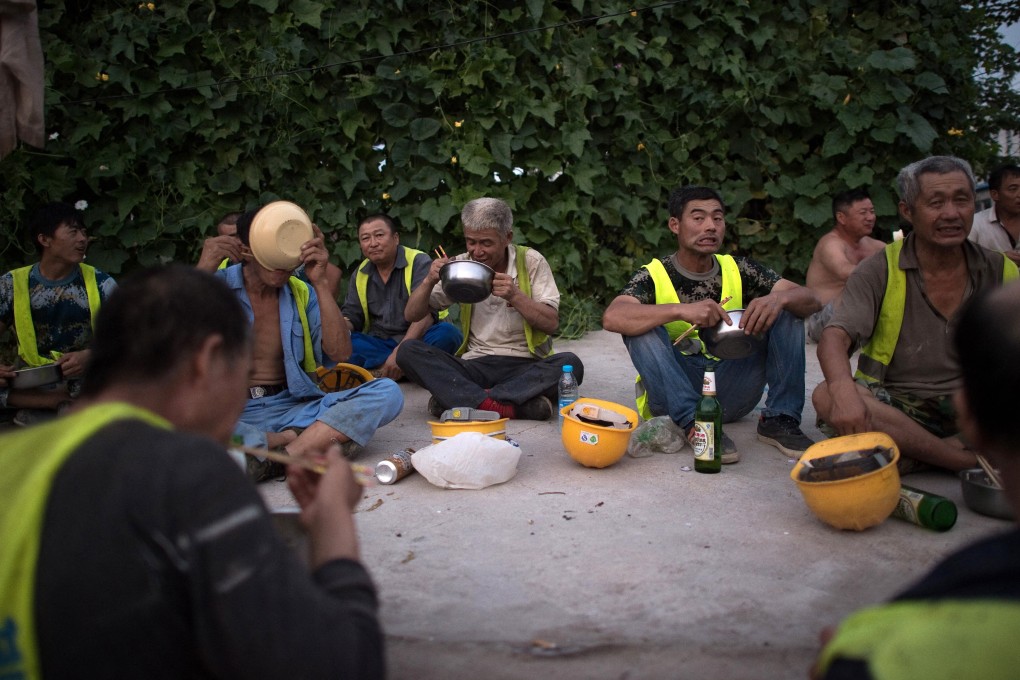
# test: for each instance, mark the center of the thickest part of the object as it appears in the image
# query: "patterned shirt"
(756, 280)
(60, 309)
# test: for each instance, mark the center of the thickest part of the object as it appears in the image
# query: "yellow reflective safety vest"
(876, 355)
(28, 346)
(665, 294)
(539, 344)
(931, 639)
(299, 289)
(32, 459)
(361, 284)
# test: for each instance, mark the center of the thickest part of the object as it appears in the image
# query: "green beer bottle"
(925, 509)
(706, 439)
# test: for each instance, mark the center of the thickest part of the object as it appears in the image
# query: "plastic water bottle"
(567, 390)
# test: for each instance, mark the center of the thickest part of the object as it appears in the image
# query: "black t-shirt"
(158, 560)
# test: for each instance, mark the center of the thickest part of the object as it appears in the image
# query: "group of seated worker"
(51, 306)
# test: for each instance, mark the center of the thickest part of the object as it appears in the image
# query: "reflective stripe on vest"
(665, 294)
(28, 347)
(936, 640)
(361, 282)
(876, 355)
(299, 289)
(32, 459)
(539, 344)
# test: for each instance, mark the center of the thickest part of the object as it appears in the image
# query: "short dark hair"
(244, 226)
(1000, 173)
(155, 320)
(987, 342)
(230, 218)
(380, 217)
(48, 219)
(681, 196)
(842, 201)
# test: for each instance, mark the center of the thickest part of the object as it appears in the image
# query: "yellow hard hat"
(856, 502)
(341, 377)
(595, 432)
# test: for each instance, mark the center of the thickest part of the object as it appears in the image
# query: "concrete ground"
(639, 570)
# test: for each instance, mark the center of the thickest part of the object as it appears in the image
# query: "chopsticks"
(363, 474)
(440, 252)
(694, 326)
(993, 474)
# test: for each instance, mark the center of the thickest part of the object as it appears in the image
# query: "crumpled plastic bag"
(469, 460)
(656, 435)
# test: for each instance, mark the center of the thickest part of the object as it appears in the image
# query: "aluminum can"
(396, 467)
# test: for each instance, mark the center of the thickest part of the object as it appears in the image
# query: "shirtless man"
(839, 252)
(295, 328)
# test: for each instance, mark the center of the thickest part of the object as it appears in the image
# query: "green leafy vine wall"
(162, 116)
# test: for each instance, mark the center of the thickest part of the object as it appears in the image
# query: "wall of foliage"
(162, 116)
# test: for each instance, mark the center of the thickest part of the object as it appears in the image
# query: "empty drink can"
(394, 468)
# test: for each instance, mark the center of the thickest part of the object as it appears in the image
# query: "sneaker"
(350, 449)
(783, 432)
(536, 408)
(730, 455)
(435, 408)
(26, 417)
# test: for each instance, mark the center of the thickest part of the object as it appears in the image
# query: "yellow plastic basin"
(494, 428)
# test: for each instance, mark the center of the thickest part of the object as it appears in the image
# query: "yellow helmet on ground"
(863, 499)
(595, 432)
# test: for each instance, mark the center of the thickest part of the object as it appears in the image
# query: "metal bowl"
(981, 497)
(730, 342)
(467, 281)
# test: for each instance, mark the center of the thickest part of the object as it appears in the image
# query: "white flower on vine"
(54, 135)
(81, 205)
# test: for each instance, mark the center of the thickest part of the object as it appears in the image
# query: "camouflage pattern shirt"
(756, 281)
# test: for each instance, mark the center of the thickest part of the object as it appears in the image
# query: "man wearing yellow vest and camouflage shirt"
(376, 297)
(670, 294)
(505, 363)
(51, 306)
(906, 300)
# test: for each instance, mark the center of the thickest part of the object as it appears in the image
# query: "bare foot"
(278, 440)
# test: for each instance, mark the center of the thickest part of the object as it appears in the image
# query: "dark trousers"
(467, 382)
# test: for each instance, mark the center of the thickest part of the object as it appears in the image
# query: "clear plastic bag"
(656, 435)
(469, 460)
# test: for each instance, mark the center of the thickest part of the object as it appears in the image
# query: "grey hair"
(488, 213)
(908, 182)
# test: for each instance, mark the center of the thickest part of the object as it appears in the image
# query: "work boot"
(435, 408)
(783, 432)
(536, 408)
(263, 470)
(730, 455)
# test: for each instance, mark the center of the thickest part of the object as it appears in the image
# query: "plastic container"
(567, 390)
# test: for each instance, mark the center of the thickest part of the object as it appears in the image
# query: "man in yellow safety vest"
(959, 621)
(698, 286)
(906, 299)
(377, 295)
(52, 306)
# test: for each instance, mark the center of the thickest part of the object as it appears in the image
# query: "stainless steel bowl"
(981, 497)
(467, 281)
(730, 342)
(27, 378)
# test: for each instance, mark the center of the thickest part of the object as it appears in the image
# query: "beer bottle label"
(703, 440)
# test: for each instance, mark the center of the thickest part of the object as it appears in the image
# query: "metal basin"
(467, 281)
(730, 342)
(981, 497)
(27, 378)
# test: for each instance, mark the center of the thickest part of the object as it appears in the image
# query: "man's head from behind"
(48, 219)
(988, 344)
(378, 238)
(937, 199)
(157, 329)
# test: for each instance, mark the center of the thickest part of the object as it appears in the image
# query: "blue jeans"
(673, 380)
(369, 351)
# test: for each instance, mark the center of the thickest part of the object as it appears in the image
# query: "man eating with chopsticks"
(696, 286)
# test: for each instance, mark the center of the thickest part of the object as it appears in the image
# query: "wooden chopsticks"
(363, 474)
(694, 326)
(440, 252)
(993, 474)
